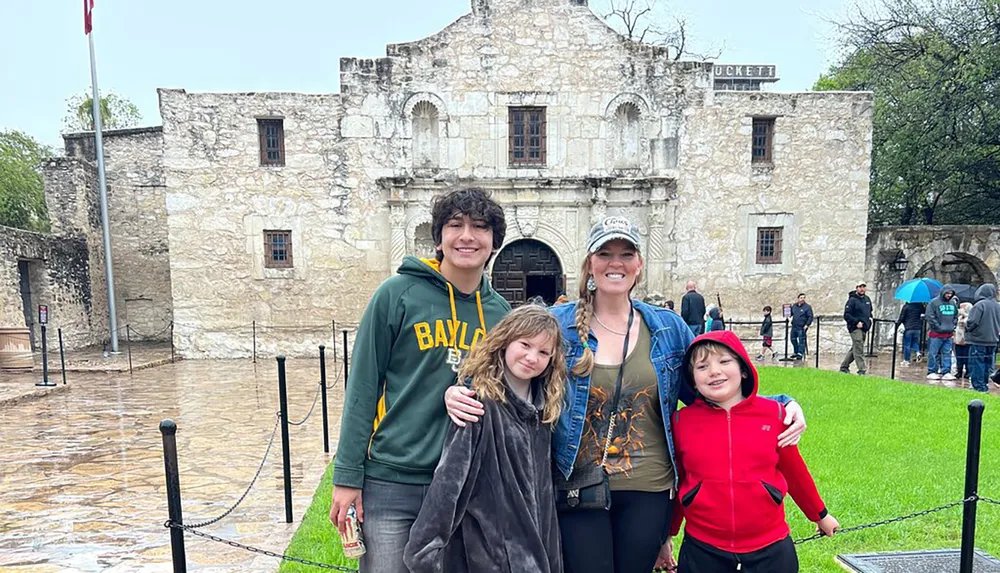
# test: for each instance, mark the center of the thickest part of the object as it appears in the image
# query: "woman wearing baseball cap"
(612, 447)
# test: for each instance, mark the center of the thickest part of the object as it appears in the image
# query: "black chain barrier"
(988, 500)
(319, 386)
(190, 529)
(155, 334)
(890, 521)
(249, 487)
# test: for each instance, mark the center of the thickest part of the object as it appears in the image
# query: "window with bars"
(272, 141)
(278, 249)
(527, 135)
(763, 136)
(769, 245)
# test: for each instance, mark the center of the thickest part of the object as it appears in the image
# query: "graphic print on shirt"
(628, 442)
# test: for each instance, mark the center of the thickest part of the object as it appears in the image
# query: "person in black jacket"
(491, 506)
(912, 319)
(693, 309)
(802, 319)
(858, 316)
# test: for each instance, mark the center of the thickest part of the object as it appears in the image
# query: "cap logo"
(617, 225)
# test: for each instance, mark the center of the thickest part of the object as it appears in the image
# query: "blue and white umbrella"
(918, 290)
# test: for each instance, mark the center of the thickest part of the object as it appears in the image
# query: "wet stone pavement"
(81, 471)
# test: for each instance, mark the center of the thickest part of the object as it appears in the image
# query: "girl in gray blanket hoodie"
(491, 506)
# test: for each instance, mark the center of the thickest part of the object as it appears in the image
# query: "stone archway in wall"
(957, 268)
(527, 268)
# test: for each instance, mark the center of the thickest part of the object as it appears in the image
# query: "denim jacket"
(669, 336)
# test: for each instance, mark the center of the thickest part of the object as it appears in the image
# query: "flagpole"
(102, 185)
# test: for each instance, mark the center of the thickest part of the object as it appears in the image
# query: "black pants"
(962, 360)
(625, 539)
(698, 557)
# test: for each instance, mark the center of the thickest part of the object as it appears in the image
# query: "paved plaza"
(81, 470)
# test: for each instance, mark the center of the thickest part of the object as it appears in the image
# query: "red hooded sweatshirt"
(733, 475)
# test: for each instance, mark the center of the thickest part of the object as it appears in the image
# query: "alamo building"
(289, 209)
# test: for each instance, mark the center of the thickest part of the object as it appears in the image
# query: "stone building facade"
(622, 128)
(285, 211)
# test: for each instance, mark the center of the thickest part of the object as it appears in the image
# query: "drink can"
(354, 542)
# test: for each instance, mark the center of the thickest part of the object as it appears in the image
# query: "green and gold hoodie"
(413, 335)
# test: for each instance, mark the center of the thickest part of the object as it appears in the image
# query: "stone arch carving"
(957, 267)
(635, 99)
(423, 242)
(426, 128)
(626, 130)
(417, 218)
(428, 97)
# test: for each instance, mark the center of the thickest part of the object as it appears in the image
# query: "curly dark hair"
(477, 204)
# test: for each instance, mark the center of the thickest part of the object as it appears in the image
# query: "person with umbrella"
(915, 293)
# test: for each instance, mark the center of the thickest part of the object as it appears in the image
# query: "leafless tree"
(646, 21)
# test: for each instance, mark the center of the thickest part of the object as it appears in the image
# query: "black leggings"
(625, 539)
(698, 557)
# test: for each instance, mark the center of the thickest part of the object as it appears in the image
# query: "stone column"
(598, 199)
(656, 249)
(397, 225)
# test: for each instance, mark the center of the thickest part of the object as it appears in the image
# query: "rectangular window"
(769, 245)
(527, 135)
(763, 135)
(278, 249)
(272, 141)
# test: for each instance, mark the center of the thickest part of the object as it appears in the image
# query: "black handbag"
(589, 488)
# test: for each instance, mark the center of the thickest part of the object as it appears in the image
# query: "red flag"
(88, 16)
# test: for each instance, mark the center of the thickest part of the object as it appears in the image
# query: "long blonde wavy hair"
(585, 312)
(485, 363)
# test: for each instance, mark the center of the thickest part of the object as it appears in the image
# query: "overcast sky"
(295, 45)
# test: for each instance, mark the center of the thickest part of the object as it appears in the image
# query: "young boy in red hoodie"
(733, 475)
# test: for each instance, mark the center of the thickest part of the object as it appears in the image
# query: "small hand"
(861, 325)
(828, 525)
(795, 419)
(462, 405)
(665, 559)
(343, 498)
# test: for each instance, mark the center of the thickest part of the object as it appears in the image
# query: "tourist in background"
(961, 345)
(912, 319)
(941, 318)
(858, 316)
(982, 334)
(802, 319)
(693, 309)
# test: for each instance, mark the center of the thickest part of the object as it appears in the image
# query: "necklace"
(608, 328)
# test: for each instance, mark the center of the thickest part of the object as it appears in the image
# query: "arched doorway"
(525, 269)
(957, 268)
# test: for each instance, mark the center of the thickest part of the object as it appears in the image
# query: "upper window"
(278, 249)
(763, 136)
(272, 141)
(527, 135)
(769, 245)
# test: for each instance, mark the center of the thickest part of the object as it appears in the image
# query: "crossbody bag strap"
(618, 388)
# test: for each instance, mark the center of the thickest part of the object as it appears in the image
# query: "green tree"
(22, 199)
(116, 113)
(934, 66)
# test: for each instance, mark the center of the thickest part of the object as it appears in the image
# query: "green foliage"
(935, 69)
(116, 113)
(22, 200)
(877, 449)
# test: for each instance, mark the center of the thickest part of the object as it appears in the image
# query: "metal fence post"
(345, 359)
(45, 361)
(285, 454)
(171, 341)
(62, 357)
(895, 339)
(253, 326)
(333, 325)
(786, 339)
(816, 350)
(168, 429)
(971, 486)
(322, 385)
(128, 343)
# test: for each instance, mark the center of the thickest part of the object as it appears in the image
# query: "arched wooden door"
(525, 269)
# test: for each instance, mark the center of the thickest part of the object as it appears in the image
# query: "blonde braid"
(584, 312)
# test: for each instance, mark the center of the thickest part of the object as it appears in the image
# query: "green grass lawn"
(876, 448)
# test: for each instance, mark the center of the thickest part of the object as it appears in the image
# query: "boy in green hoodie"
(414, 333)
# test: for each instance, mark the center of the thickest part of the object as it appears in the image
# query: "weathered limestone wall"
(137, 213)
(817, 190)
(628, 132)
(76, 255)
(220, 200)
